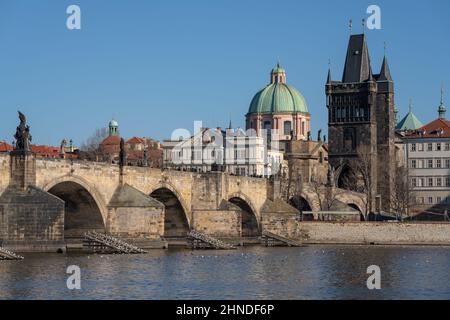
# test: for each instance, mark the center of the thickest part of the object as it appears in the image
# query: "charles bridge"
(46, 202)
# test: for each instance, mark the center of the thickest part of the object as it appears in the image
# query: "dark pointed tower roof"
(329, 76)
(370, 75)
(357, 62)
(385, 73)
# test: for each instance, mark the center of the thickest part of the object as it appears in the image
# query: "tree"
(326, 193)
(93, 142)
(291, 182)
(364, 168)
(403, 197)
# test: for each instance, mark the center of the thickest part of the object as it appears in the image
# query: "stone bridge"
(121, 201)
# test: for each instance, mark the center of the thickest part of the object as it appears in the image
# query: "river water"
(312, 272)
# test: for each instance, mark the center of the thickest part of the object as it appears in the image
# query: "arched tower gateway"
(279, 106)
(361, 125)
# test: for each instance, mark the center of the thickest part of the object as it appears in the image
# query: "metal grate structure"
(9, 255)
(270, 239)
(103, 243)
(198, 240)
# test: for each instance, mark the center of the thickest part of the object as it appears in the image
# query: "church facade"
(280, 109)
(361, 126)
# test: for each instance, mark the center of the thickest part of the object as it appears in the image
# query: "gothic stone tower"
(361, 124)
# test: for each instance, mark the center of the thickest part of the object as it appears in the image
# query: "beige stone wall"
(219, 223)
(359, 232)
(136, 222)
(4, 171)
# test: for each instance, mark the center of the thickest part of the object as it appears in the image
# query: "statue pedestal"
(23, 169)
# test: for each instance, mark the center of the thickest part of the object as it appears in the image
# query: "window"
(447, 146)
(287, 128)
(421, 182)
(438, 200)
(430, 200)
(420, 146)
(439, 182)
(438, 163)
(414, 182)
(438, 146)
(447, 163)
(267, 125)
(447, 182)
(430, 182)
(413, 164)
(413, 147)
(430, 163)
(430, 147)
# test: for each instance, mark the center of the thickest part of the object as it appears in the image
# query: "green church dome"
(278, 97)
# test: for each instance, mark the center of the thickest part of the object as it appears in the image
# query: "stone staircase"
(198, 240)
(270, 239)
(103, 243)
(9, 255)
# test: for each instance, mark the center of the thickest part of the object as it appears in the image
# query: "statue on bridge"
(122, 154)
(22, 136)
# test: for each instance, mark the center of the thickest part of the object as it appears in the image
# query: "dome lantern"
(278, 75)
(113, 128)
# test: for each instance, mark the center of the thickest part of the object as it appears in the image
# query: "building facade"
(144, 152)
(231, 150)
(361, 119)
(427, 151)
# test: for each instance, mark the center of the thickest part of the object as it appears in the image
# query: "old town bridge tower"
(361, 126)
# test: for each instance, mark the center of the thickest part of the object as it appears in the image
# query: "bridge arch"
(177, 220)
(84, 207)
(250, 221)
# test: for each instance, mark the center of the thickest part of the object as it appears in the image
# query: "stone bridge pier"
(47, 203)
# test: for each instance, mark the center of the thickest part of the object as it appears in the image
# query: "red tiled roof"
(5, 147)
(136, 140)
(111, 140)
(438, 128)
(45, 151)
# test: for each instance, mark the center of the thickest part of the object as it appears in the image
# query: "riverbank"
(374, 233)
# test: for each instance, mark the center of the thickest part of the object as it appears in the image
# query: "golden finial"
(350, 25)
(363, 23)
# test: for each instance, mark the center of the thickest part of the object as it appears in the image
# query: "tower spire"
(350, 25)
(329, 72)
(442, 110)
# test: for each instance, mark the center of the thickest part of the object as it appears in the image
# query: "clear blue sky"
(160, 65)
